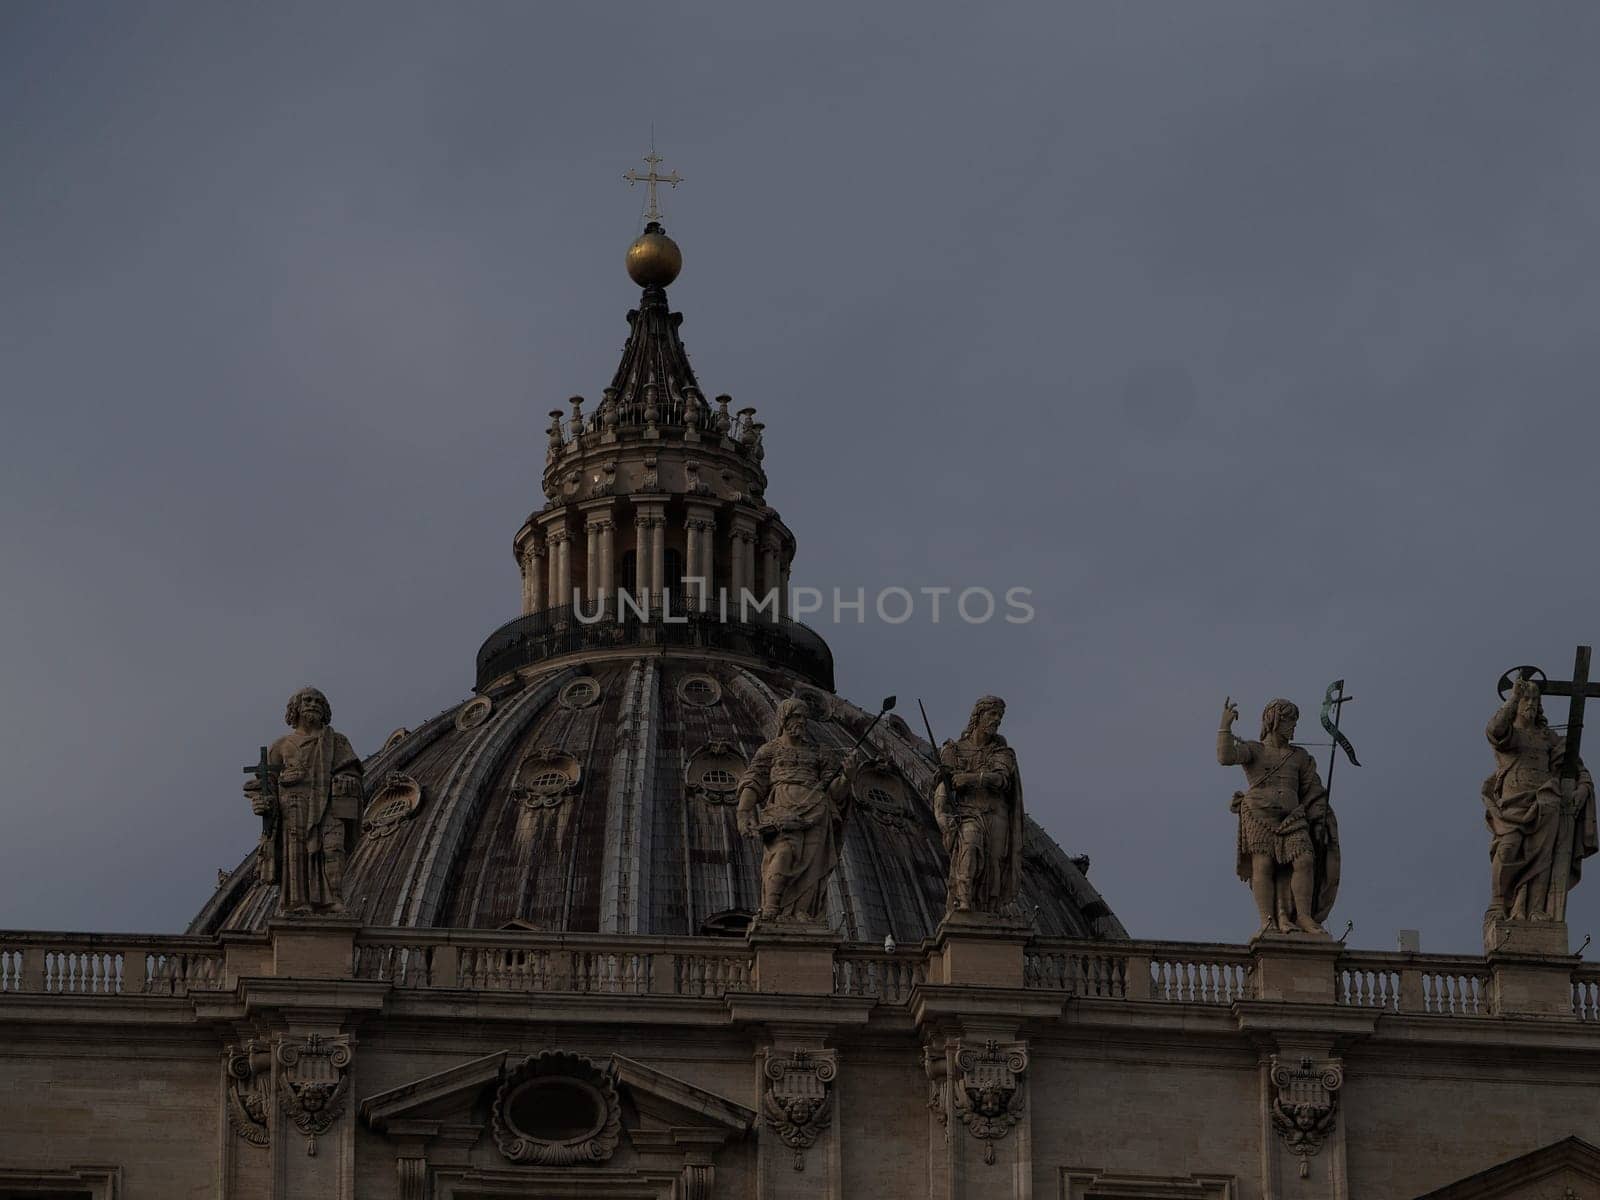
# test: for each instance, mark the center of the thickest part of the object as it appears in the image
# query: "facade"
(554, 942)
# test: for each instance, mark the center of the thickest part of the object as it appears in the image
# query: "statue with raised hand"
(1288, 847)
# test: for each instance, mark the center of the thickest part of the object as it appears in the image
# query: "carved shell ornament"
(555, 1109)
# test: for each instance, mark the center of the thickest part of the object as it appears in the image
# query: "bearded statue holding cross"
(307, 790)
(1539, 806)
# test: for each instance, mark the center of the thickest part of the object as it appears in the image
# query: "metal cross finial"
(650, 178)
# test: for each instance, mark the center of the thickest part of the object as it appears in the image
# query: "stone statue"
(309, 789)
(978, 804)
(1288, 838)
(795, 797)
(1523, 807)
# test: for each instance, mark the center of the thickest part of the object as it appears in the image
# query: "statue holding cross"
(1539, 803)
(307, 791)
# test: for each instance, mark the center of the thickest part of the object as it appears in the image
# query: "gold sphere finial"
(654, 259)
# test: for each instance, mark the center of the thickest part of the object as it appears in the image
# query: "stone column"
(989, 1154)
(565, 548)
(973, 1045)
(552, 560)
(743, 543)
(533, 575)
(608, 557)
(691, 559)
(313, 1145)
(536, 576)
(1294, 1017)
(771, 546)
(306, 1009)
(658, 552)
(699, 527)
(641, 555)
(798, 1150)
(1303, 1121)
(783, 589)
(709, 559)
(591, 585)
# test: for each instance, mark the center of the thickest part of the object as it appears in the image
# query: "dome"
(588, 785)
(597, 797)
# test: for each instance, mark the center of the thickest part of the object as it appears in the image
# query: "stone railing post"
(314, 947)
(795, 959)
(979, 950)
(1137, 979)
(33, 956)
(1412, 997)
(1294, 967)
(1530, 969)
(446, 966)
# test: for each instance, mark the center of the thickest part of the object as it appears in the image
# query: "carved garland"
(583, 1082)
(249, 1090)
(313, 1084)
(1305, 1106)
(988, 1094)
(937, 1069)
(797, 1103)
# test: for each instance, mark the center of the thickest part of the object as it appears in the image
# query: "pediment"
(666, 1105)
(1565, 1170)
(433, 1097)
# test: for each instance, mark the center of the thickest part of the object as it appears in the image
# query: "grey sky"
(1258, 339)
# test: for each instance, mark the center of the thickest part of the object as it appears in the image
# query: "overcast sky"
(1259, 340)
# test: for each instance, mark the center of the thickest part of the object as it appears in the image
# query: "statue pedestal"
(794, 957)
(321, 947)
(1295, 967)
(1530, 968)
(979, 950)
(1545, 939)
